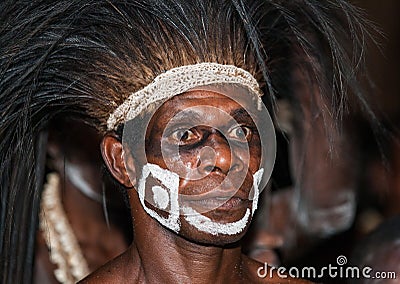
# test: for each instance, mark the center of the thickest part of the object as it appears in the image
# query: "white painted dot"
(160, 196)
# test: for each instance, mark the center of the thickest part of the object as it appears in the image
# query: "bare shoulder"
(115, 271)
(258, 272)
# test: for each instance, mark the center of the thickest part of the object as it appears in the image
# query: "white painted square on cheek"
(171, 181)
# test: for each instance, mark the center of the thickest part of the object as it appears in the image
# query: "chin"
(192, 234)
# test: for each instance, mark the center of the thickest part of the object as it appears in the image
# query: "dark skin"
(159, 255)
(84, 214)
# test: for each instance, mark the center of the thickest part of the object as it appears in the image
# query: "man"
(196, 187)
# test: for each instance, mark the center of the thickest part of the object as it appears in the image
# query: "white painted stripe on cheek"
(205, 224)
(256, 183)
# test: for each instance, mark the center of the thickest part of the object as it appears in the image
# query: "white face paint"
(160, 196)
(171, 181)
(257, 177)
(204, 224)
(169, 196)
(327, 221)
(75, 175)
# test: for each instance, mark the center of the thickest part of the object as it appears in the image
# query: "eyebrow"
(192, 115)
(240, 114)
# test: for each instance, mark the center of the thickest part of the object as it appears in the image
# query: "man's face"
(210, 146)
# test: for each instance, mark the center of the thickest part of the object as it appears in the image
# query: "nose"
(217, 156)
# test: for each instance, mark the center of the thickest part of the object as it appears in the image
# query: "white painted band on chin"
(205, 224)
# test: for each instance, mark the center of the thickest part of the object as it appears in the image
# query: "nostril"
(236, 167)
(209, 169)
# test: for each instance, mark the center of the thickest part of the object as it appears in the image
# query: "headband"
(177, 81)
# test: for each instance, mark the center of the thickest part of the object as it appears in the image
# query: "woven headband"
(177, 81)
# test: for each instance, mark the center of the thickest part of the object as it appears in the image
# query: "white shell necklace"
(64, 250)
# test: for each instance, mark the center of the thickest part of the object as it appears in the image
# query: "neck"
(177, 259)
(88, 222)
(77, 205)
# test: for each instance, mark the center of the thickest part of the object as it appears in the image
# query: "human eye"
(183, 136)
(241, 133)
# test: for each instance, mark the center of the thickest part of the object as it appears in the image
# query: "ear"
(113, 155)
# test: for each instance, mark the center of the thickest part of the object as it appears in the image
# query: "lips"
(216, 199)
(216, 192)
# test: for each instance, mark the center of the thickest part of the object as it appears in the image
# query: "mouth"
(218, 195)
(216, 199)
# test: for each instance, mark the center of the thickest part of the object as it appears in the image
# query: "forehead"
(203, 102)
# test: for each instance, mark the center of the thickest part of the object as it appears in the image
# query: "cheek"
(255, 154)
(248, 153)
(183, 163)
(180, 161)
(189, 157)
(154, 153)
